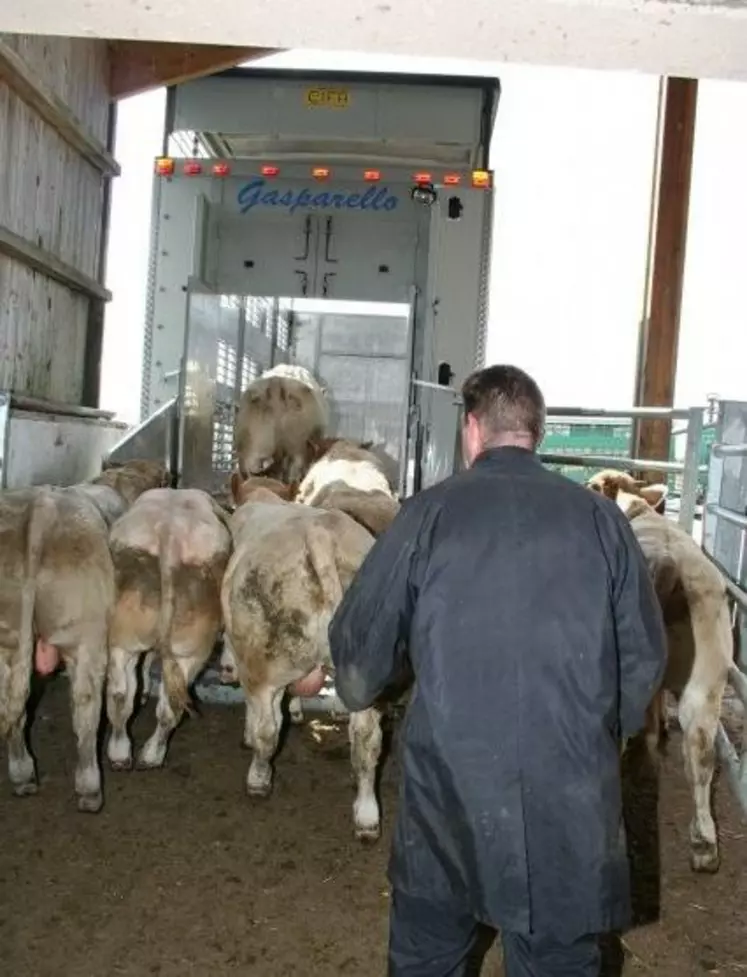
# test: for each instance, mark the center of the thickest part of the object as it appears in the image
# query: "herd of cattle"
(97, 575)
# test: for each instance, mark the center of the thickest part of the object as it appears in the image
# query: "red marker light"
(270, 170)
(371, 176)
(452, 179)
(192, 168)
(221, 169)
(164, 166)
(320, 173)
(423, 178)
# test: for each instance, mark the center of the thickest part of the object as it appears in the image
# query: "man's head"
(503, 406)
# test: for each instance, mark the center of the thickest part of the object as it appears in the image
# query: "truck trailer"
(337, 221)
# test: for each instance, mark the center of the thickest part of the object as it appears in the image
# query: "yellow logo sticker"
(327, 98)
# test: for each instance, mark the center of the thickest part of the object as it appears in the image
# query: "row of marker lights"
(167, 166)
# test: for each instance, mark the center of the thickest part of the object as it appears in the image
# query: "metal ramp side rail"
(690, 467)
(725, 543)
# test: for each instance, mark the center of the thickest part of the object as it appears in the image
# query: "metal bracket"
(307, 240)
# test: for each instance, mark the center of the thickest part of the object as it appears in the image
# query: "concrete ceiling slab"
(692, 38)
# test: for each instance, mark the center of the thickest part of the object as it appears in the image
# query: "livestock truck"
(337, 220)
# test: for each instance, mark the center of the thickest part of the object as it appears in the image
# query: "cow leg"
(153, 754)
(365, 749)
(295, 708)
(229, 674)
(120, 699)
(14, 691)
(21, 772)
(248, 725)
(263, 721)
(147, 681)
(699, 720)
(87, 670)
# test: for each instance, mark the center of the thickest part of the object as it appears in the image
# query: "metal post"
(691, 470)
(659, 355)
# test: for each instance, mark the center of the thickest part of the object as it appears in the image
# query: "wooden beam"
(22, 82)
(42, 261)
(137, 66)
(657, 366)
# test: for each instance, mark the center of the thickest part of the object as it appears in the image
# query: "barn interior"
(181, 872)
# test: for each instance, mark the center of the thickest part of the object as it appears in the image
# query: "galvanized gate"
(725, 541)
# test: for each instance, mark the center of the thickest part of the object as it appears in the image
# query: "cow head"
(131, 478)
(259, 488)
(276, 416)
(631, 494)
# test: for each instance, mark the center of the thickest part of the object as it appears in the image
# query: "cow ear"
(654, 494)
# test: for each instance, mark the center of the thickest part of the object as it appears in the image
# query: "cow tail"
(41, 517)
(321, 555)
(175, 684)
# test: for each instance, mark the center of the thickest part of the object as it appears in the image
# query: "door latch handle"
(307, 239)
(328, 242)
(304, 281)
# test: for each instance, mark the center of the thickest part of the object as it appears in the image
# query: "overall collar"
(508, 456)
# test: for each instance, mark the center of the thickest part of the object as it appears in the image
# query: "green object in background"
(607, 437)
(600, 437)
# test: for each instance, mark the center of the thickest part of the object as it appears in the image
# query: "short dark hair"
(505, 400)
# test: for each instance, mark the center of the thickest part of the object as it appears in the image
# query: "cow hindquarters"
(86, 667)
(365, 749)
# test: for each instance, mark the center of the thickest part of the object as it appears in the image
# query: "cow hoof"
(706, 861)
(259, 791)
(120, 765)
(148, 765)
(26, 790)
(91, 803)
(368, 835)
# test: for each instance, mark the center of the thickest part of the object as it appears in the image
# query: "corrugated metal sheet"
(52, 198)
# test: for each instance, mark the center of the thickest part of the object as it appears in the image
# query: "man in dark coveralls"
(537, 643)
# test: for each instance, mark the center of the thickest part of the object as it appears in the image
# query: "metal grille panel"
(150, 305)
(483, 307)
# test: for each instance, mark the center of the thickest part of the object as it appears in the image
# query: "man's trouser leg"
(533, 956)
(428, 939)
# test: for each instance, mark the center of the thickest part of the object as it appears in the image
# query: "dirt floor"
(182, 875)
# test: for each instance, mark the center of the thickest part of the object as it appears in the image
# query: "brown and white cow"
(56, 595)
(350, 477)
(279, 413)
(696, 614)
(229, 674)
(290, 567)
(170, 550)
